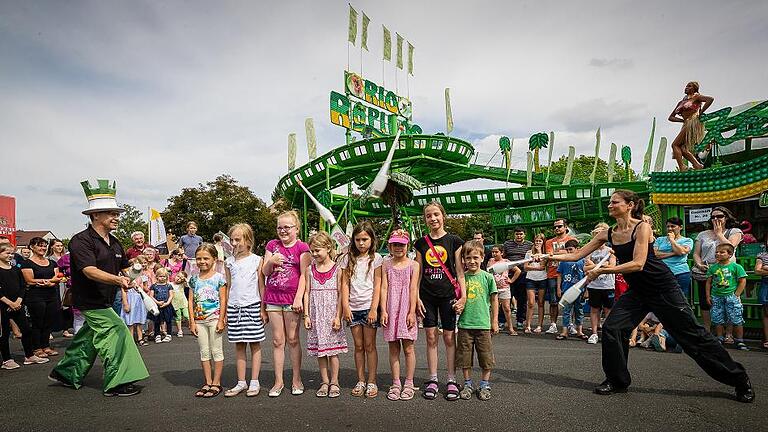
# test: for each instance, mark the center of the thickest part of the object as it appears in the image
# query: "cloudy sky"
(165, 95)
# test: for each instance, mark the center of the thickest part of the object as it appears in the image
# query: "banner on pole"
(364, 35)
(410, 58)
(387, 44)
(399, 48)
(448, 113)
(352, 25)
(157, 237)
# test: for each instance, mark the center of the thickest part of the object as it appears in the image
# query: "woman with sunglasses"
(724, 230)
(652, 288)
(42, 296)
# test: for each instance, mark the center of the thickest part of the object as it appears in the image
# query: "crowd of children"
(435, 282)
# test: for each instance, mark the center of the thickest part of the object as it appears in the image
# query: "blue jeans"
(684, 280)
(577, 307)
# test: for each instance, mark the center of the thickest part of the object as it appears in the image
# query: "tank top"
(655, 275)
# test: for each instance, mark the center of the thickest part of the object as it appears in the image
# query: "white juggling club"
(504, 267)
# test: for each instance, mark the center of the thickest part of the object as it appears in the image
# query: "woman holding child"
(652, 288)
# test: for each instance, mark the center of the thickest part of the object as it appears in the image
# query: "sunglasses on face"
(558, 226)
(720, 216)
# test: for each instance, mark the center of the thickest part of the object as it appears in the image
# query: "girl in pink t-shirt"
(285, 265)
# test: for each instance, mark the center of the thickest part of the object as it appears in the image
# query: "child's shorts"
(727, 309)
(182, 313)
(479, 341)
(505, 294)
(361, 318)
(762, 296)
(441, 309)
(278, 308)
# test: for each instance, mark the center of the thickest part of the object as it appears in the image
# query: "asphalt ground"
(539, 383)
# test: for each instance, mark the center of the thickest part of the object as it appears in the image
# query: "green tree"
(465, 226)
(130, 221)
(216, 206)
(582, 169)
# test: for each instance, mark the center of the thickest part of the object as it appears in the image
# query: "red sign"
(8, 218)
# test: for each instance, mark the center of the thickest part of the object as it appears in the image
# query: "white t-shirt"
(361, 283)
(604, 281)
(245, 280)
(535, 275)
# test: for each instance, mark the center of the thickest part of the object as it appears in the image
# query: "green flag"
(597, 154)
(399, 51)
(291, 151)
(364, 36)
(448, 113)
(611, 162)
(649, 151)
(309, 127)
(569, 167)
(387, 44)
(352, 25)
(410, 58)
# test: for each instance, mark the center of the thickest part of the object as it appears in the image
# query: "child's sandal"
(394, 392)
(430, 390)
(213, 391)
(407, 393)
(203, 390)
(359, 389)
(371, 390)
(322, 391)
(451, 391)
(334, 391)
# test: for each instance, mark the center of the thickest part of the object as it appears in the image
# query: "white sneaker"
(592, 339)
(180, 334)
(552, 329)
(167, 338)
(10, 364)
(35, 360)
(572, 330)
(158, 339)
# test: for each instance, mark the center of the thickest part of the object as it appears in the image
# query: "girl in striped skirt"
(244, 323)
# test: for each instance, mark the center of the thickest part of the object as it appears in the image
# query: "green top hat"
(101, 198)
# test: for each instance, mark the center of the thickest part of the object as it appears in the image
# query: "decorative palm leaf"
(538, 141)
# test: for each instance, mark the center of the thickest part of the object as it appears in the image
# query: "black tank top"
(655, 275)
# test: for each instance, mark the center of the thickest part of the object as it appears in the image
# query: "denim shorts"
(727, 308)
(278, 308)
(535, 285)
(550, 294)
(762, 296)
(361, 318)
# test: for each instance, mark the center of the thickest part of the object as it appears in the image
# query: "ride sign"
(370, 109)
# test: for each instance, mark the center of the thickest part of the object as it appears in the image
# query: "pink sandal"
(394, 392)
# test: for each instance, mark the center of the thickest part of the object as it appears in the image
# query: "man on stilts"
(97, 259)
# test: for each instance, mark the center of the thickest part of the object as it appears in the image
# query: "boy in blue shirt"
(568, 273)
(725, 283)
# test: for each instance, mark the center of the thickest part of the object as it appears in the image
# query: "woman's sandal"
(407, 393)
(582, 336)
(394, 392)
(213, 391)
(334, 391)
(561, 337)
(451, 391)
(322, 391)
(527, 330)
(430, 390)
(203, 390)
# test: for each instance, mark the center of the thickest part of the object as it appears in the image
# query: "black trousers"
(677, 317)
(20, 318)
(43, 313)
(520, 293)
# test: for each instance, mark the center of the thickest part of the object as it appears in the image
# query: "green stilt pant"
(106, 335)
